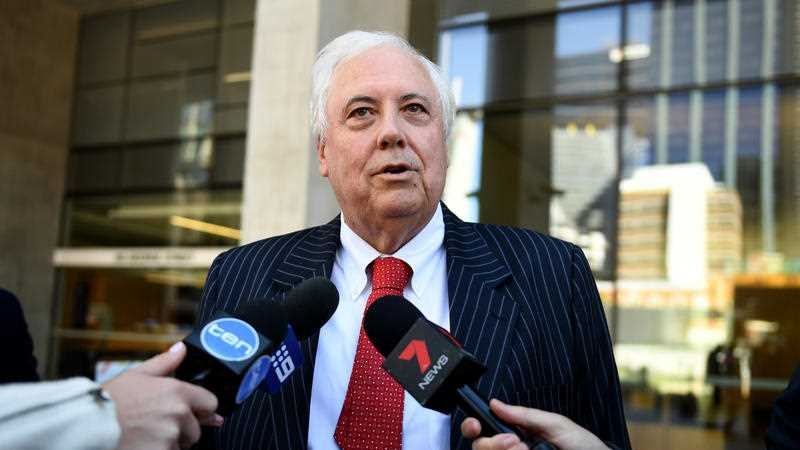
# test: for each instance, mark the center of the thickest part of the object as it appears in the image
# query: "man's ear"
(322, 156)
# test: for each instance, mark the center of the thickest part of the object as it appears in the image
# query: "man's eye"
(360, 112)
(415, 108)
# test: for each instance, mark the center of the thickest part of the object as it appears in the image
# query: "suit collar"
(312, 256)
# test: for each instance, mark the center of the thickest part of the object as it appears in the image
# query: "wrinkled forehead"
(380, 71)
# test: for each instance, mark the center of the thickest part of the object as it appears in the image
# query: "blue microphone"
(233, 354)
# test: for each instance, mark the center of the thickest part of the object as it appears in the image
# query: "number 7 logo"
(417, 348)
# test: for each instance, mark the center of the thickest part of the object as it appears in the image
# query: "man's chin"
(401, 206)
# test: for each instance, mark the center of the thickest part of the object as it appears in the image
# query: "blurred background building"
(140, 138)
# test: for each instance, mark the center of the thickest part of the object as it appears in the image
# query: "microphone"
(441, 377)
(256, 346)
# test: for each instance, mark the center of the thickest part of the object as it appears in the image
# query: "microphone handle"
(476, 406)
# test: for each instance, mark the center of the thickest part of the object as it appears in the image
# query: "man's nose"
(391, 134)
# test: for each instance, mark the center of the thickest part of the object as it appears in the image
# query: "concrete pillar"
(38, 39)
(282, 189)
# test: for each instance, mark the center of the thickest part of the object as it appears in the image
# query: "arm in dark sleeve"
(600, 410)
(19, 364)
(784, 431)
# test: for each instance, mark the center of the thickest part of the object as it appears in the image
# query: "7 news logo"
(417, 348)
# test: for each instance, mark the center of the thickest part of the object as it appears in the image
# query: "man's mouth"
(395, 169)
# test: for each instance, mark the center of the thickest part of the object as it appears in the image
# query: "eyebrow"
(359, 99)
(373, 101)
(414, 96)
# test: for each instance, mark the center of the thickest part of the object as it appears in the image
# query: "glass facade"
(660, 136)
(154, 182)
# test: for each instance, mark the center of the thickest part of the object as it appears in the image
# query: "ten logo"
(229, 339)
(282, 363)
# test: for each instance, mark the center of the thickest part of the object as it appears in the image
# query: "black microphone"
(230, 354)
(430, 364)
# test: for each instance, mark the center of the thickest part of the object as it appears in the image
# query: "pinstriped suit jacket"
(523, 303)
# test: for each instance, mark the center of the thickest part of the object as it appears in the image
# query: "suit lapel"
(482, 310)
(313, 256)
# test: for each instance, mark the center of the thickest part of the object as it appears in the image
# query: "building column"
(282, 189)
(665, 79)
(768, 114)
(37, 36)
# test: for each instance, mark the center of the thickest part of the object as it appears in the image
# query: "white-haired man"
(523, 303)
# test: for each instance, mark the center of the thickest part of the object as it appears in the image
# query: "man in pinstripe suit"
(523, 303)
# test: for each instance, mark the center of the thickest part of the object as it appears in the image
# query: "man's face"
(384, 150)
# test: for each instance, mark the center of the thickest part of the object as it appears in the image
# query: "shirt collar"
(356, 254)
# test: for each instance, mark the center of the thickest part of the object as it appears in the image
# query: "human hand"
(158, 412)
(554, 428)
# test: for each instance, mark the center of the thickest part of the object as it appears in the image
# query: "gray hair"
(352, 44)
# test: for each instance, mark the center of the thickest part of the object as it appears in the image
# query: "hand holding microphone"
(442, 376)
(557, 429)
(155, 411)
(225, 360)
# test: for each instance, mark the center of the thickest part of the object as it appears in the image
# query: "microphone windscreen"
(310, 304)
(388, 320)
(267, 317)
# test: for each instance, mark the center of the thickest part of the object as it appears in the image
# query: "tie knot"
(390, 274)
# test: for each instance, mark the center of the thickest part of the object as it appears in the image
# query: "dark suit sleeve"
(19, 364)
(600, 409)
(784, 431)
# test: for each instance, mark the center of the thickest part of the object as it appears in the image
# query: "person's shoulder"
(313, 237)
(9, 304)
(515, 237)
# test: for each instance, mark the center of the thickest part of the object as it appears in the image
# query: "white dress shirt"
(422, 428)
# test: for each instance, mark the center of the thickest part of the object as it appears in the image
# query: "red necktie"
(372, 414)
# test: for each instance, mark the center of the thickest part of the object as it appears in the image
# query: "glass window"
(191, 218)
(228, 161)
(639, 136)
(748, 166)
(574, 53)
(751, 42)
(98, 115)
(238, 11)
(462, 188)
(716, 40)
(234, 70)
(520, 61)
(112, 317)
(176, 18)
(643, 52)
(712, 133)
(183, 165)
(787, 178)
(170, 107)
(683, 37)
(553, 171)
(586, 45)
(708, 214)
(463, 56)
(158, 56)
(94, 170)
(103, 48)
(678, 128)
(230, 119)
